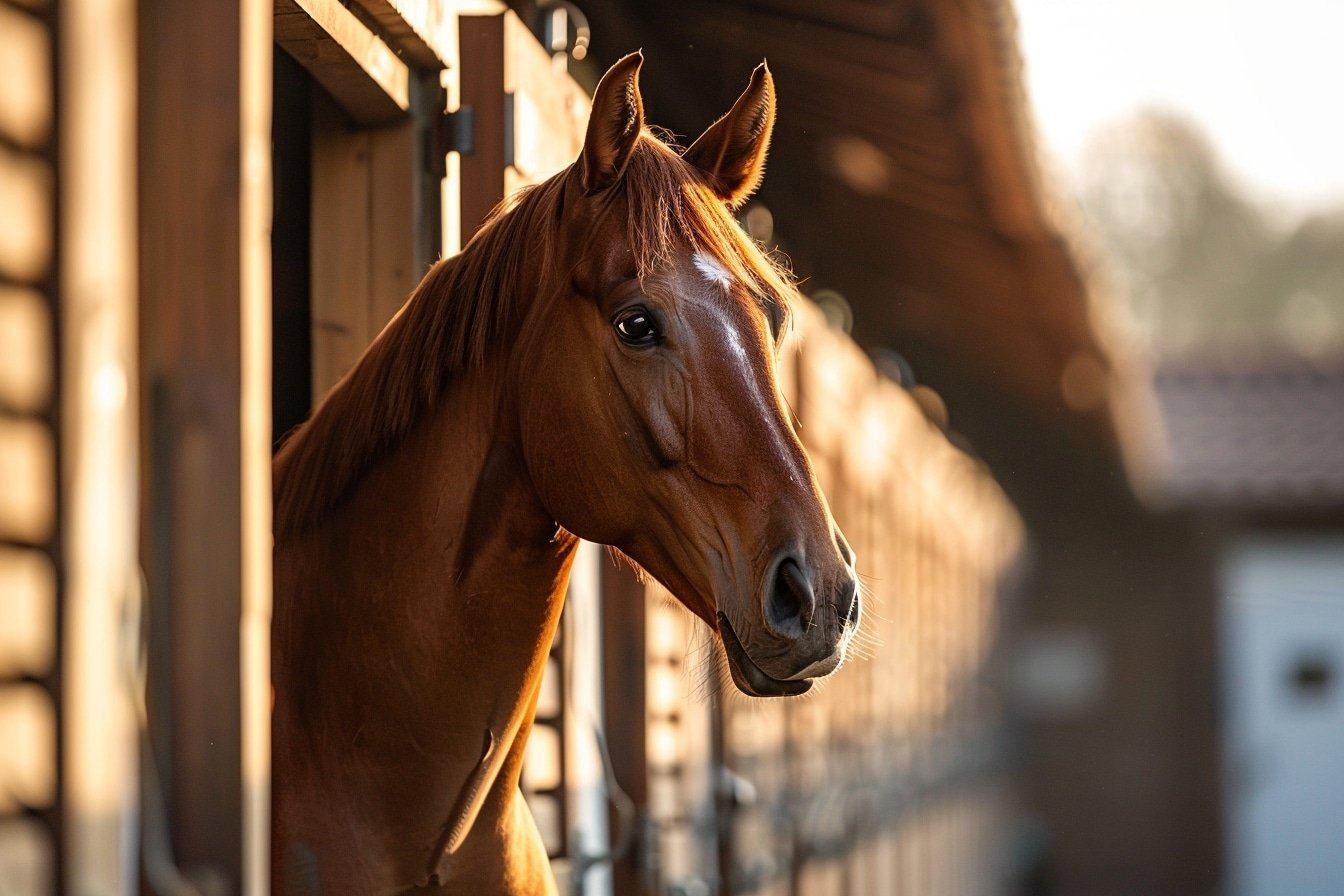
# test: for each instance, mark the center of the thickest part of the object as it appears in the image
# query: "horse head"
(649, 411)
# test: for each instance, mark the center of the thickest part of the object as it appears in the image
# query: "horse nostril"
(790, 603)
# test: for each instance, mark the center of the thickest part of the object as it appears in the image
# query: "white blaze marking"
(712, 270)
(738, 349)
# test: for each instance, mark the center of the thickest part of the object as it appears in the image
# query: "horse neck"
(418, 617)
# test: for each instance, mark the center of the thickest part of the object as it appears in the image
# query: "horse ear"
(732, 151)
(614, 125)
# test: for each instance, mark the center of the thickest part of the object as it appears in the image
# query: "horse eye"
(636, 327)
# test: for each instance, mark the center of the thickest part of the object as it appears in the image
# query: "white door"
(1283, 660)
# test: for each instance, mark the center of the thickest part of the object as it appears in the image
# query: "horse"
(599, 362)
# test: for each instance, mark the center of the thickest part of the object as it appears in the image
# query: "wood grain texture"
(363, 246)
(424, 30)
(362, 72)
(192, 119)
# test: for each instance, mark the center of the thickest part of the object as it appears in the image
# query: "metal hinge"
(451, 132)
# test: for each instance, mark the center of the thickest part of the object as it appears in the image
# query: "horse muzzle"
(805, 640)
(749, 677)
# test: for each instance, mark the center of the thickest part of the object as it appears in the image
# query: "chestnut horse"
(597, 363)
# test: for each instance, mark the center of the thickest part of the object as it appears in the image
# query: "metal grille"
(681, 718)
(565, 775)
(30, 577)
(544, 779)
(888, 778)
(884, 781)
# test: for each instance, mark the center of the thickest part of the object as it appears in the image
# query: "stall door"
(1284, 661)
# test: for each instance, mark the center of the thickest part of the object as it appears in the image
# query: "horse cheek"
(573, 459)
(667, 420)
(651, 411)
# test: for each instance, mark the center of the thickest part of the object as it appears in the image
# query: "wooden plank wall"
(364, 245)
(367, 216)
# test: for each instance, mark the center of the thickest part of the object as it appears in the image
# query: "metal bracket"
(451, 132)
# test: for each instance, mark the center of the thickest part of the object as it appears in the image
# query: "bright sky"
(1264, 78)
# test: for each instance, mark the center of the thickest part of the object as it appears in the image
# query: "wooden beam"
(425, 31)
(361, 72)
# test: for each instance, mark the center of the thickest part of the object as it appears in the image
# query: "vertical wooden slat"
(625, 694)
(204, 107)
(254, 666)
(98, 314)
(481, 84)
(589, 792)
(529, 120)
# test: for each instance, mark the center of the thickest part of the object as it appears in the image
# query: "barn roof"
(1268, 434)
(904, 175)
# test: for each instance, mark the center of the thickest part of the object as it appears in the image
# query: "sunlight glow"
(1261, 79)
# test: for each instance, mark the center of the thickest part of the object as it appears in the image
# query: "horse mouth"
(748, 676)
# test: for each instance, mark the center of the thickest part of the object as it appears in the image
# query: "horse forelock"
(463, 308)
(670, 207)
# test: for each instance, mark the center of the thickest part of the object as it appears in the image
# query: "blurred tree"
(1306, 272)
(1203, 265)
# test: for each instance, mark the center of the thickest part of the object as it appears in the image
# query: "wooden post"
(529, 121)
(624, 692)
(254, 663)
(482, 90)
(204, 209)
(97, 232)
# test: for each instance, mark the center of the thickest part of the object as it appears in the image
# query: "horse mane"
(456, 316)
